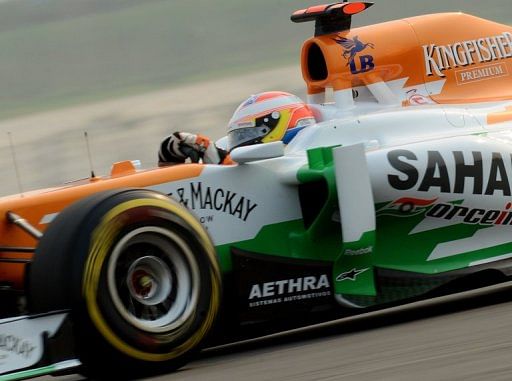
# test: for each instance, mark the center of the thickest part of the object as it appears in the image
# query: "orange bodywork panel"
(473, 56)
(500, 116)
(34, 206)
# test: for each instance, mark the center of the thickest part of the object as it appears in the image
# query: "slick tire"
(140, 276)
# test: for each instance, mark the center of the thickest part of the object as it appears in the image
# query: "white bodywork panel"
(354, 196)
(21, 339)
(234, 211)
(242, 199)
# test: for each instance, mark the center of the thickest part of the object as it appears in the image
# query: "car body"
(399, 191)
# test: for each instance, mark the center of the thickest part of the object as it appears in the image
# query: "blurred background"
(129, 72)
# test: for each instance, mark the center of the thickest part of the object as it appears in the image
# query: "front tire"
(140, 276)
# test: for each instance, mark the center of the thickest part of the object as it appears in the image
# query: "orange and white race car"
(401, 190)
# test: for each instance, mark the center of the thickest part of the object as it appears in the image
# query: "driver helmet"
(268, 117)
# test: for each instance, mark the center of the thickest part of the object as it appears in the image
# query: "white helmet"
(268, 117)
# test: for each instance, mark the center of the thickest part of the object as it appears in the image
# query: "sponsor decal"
(196, 196)
(414, 98)
(289, 290)
(350, 275)
(436, 176)
(250, 123)
(262, 290)
(351, 49)
(405, 207)
(448, 211)
(473, 216)
(481, 73)
(361, 251)
(16, 345)
(439, 58)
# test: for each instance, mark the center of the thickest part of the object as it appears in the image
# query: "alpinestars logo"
(350, 275)
(405, 207)
(351, 47)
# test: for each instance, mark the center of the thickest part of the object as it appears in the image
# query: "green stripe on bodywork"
(399, 250)
(289, 239)
(356, 256)
(42, 371)
(45, 370)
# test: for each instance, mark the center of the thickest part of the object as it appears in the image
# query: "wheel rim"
(153, 279)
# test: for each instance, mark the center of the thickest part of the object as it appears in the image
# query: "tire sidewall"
(100, 329)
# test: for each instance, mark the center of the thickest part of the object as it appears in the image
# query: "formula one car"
(402, 190)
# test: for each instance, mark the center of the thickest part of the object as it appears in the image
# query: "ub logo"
(351, 47)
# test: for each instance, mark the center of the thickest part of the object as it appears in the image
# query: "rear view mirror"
(257, 152)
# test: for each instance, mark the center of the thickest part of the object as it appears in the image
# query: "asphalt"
(461, 337)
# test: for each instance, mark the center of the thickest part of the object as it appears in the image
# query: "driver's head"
(268, 117)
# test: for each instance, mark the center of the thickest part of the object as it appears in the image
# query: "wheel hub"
(142, 285)
(149, 280)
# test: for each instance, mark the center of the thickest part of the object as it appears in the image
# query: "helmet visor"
(247, 135)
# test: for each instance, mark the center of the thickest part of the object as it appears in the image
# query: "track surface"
(462, 337)
(50, 147)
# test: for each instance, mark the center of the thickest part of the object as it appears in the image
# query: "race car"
(400, 191)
